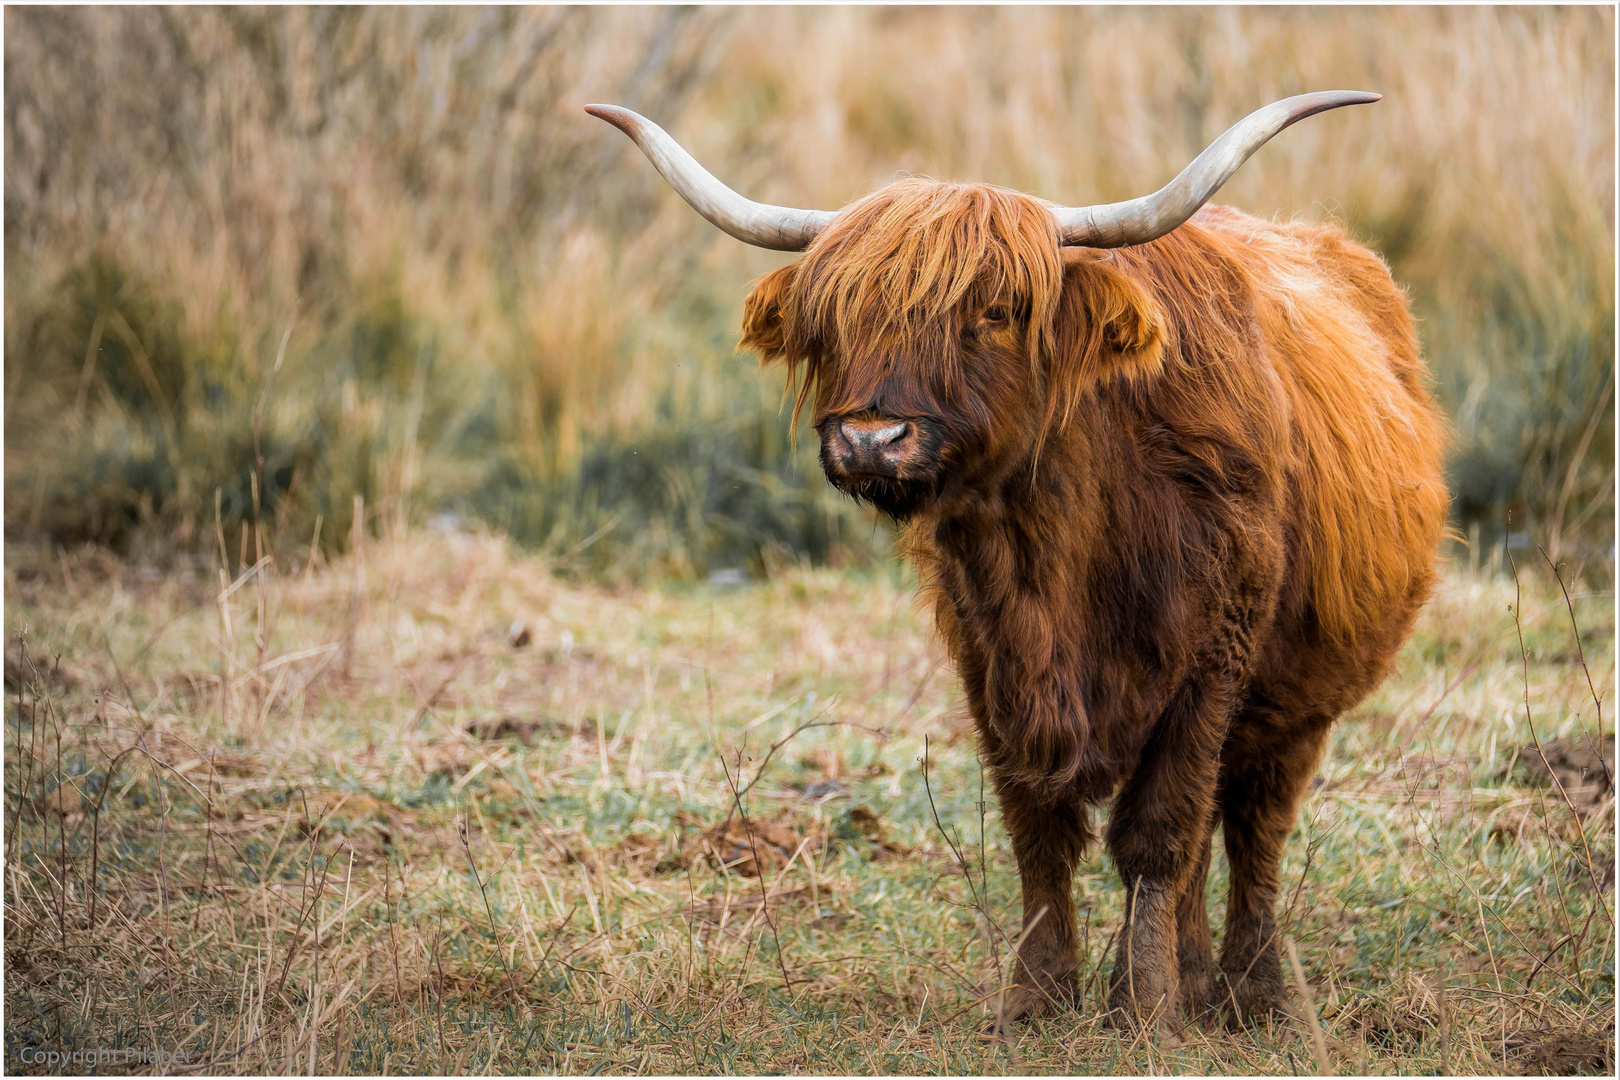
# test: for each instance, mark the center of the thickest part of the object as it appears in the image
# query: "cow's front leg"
(1195, 953)
(1157, 834)
(1048, 839)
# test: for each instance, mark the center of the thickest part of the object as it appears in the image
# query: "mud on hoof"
(1201, 990)
(1161, 1019)
(1024, 1001)
(1255, 998)
(1148, 1005)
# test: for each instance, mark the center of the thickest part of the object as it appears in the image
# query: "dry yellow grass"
(330, 818)
(494, 291)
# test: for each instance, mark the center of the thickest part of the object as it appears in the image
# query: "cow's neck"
(1017, 545)
(1036, 510)
(1017, 571)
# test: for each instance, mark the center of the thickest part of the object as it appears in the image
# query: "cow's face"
(943, 335)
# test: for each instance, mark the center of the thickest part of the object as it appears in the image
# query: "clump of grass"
(328, 817)
(499, 311)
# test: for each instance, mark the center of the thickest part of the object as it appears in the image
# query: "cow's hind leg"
(1157, 835)
(1267, 764)
(1048, 839)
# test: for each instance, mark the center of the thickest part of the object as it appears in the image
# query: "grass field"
(430, 804)
(333, 819)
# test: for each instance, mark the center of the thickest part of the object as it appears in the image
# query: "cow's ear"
(763, 328)
(1108, 327)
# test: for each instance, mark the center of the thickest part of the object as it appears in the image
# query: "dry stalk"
(472, 867)
(1580, 651)
(438, 992)
(1576, 459)
(393, 927)
(1318, 1045)
(226, 634)
(1445, 1022)
(1001, 995)
(308, 905)
(357, 552)
(760, 772)
(61, 821)
(163, 872)
(980, 896)
(764, 888)
(258, 415)
(95, 833)
(14, 834)
(208, 851)
(89, 369)
(1580, 828)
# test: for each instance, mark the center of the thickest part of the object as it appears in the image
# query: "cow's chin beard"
(899, 498)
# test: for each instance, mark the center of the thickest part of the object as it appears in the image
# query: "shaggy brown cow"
(1172, 480)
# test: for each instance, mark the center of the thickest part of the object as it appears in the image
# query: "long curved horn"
(1150, 217)
(780, 228)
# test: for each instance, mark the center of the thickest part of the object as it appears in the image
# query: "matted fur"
(1366, 442)
(1176, 507)
(886, 283)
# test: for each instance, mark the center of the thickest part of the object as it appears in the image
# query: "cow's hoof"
(1156, 1013)
(1143, 995)
(1200, 992)
(1022, 1003)
(1249, 1000)
(1018, 1005)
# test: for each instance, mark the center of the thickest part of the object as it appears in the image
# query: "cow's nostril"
(887, 435)
(868, 439)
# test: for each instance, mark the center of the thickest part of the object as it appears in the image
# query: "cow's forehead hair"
(904, 261)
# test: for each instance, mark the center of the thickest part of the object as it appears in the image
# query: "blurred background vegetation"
(489, 308)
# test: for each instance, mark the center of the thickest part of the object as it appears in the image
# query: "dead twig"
(1580, 651)
(980, 894)
(1580, 828)
(784, 740)
(433, 698)
(764, 889)
(1318, 1045)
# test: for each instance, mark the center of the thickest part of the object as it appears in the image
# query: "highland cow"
(1172, 481)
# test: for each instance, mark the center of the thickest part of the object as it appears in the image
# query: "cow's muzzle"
(892, 463)
(877, 446)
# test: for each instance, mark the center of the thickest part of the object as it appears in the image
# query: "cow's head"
(940, 331)
(944, 330)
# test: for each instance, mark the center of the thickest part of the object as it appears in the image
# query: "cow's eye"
(994, 315)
